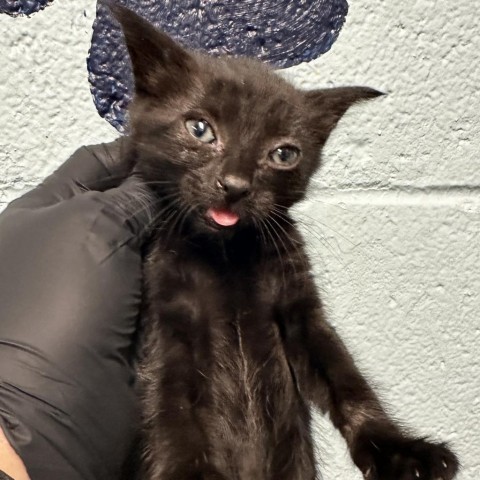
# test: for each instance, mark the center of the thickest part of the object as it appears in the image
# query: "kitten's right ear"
(160, 65)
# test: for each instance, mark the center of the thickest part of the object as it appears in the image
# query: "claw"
(444, 463)
(416, 473)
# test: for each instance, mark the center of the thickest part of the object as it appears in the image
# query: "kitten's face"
(235, 143)
(225, 141)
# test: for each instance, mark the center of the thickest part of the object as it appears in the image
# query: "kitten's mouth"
(223, 216)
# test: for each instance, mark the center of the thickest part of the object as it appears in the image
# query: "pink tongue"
(223, 217)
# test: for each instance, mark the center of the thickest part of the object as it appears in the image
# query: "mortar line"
(454, 195)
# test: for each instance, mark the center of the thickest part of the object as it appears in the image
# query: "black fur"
(237, 347)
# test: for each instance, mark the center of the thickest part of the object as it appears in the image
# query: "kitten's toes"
(390, 456)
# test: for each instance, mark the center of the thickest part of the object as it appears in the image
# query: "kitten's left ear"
(329, 105)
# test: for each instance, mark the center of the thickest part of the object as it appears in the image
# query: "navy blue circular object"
(22, 7)
(280, 32)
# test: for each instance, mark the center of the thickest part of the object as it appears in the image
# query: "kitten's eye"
(284, 157)
(201, 129)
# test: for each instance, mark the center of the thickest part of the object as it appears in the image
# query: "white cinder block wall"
(393, 222)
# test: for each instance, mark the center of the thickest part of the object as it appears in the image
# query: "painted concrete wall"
(394, 218)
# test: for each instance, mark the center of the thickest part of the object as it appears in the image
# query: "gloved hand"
(70, 292)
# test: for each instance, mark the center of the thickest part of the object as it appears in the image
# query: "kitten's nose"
(234, 187)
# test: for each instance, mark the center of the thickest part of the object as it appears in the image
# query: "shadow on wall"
(281, 32)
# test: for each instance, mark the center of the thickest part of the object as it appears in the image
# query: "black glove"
(70, 292)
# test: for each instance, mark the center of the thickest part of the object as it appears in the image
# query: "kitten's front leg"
(176, 446)
(175, 393)
(328, 377)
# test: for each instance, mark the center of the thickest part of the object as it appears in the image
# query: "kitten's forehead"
(245, 91)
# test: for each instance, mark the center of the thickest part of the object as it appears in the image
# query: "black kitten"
(237, 347)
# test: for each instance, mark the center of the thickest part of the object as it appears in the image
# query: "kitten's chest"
(215, 286)
(223, 313)
(217, 355)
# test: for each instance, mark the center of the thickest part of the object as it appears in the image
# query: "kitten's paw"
(390, 456)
